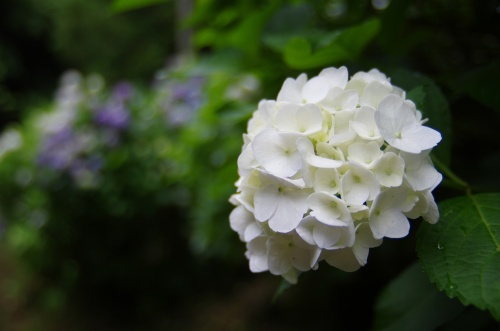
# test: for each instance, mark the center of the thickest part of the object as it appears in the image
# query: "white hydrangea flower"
(302, 119)
(277, 152)
(400, 127)
(330, 168)
(281, 202)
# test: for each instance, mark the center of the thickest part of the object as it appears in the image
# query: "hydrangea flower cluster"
(83, 123)
(329, 169)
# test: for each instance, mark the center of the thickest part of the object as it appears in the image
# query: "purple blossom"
(58, 150)
(122, 91)
(114, 115)
(185, 100)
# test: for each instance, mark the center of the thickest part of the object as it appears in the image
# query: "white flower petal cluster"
(330, 168)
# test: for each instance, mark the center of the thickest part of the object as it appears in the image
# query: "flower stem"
(453, 178)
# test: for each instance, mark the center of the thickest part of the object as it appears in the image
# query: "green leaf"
(120, 6)
(417, 95)
(433, 104)
(341, 46)
(411, 302)
(247, 35)
(298, 54)
(289, 21)
(461, 253)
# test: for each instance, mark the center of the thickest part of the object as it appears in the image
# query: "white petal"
(257, 254)
(265, 202)
(290, 210)
(305, 229)
(326, 236)
(432, 215)
(328, 209)
(278, 247)
(339, 100)
(392, 117)
(309, 119)
(277, 152)
(322, 162)
(364, 124)
(335, 77)
(420, 172)
(246, 161)
(373, 93)
(286, 117)
(327, 180)
(301, 254)
(328, 156)
(243, 222)
(305, 147)
(424, 136)
(364, 241)
(398, 125)
(364, 154)
(341, 131)
(253, 230)
(344, 259)
(358, 185)
(386, 215)
(389, 170)
(291, 90)
(315, 89)
(286, 252)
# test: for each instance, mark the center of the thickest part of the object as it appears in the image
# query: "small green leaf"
(411, 302)
(343, 45)
(461, 253)
(119, 6)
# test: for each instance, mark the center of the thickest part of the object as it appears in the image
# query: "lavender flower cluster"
(88, 121)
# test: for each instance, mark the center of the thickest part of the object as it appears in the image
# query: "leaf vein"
(483, 219)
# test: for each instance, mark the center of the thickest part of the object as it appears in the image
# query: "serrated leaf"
(461, 253)
(411, 302)
(344, 45)
(434, 106)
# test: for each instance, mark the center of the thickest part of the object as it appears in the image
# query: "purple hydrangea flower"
(113, 115)
(122, 91)
(184, 101)
(58, 150)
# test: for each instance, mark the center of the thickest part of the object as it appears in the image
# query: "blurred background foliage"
(121, 124)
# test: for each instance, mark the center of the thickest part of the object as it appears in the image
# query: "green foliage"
(92, 191)
(80, 28)
(422, 307)
(119, 6)
(461, 254)
(333, 49)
